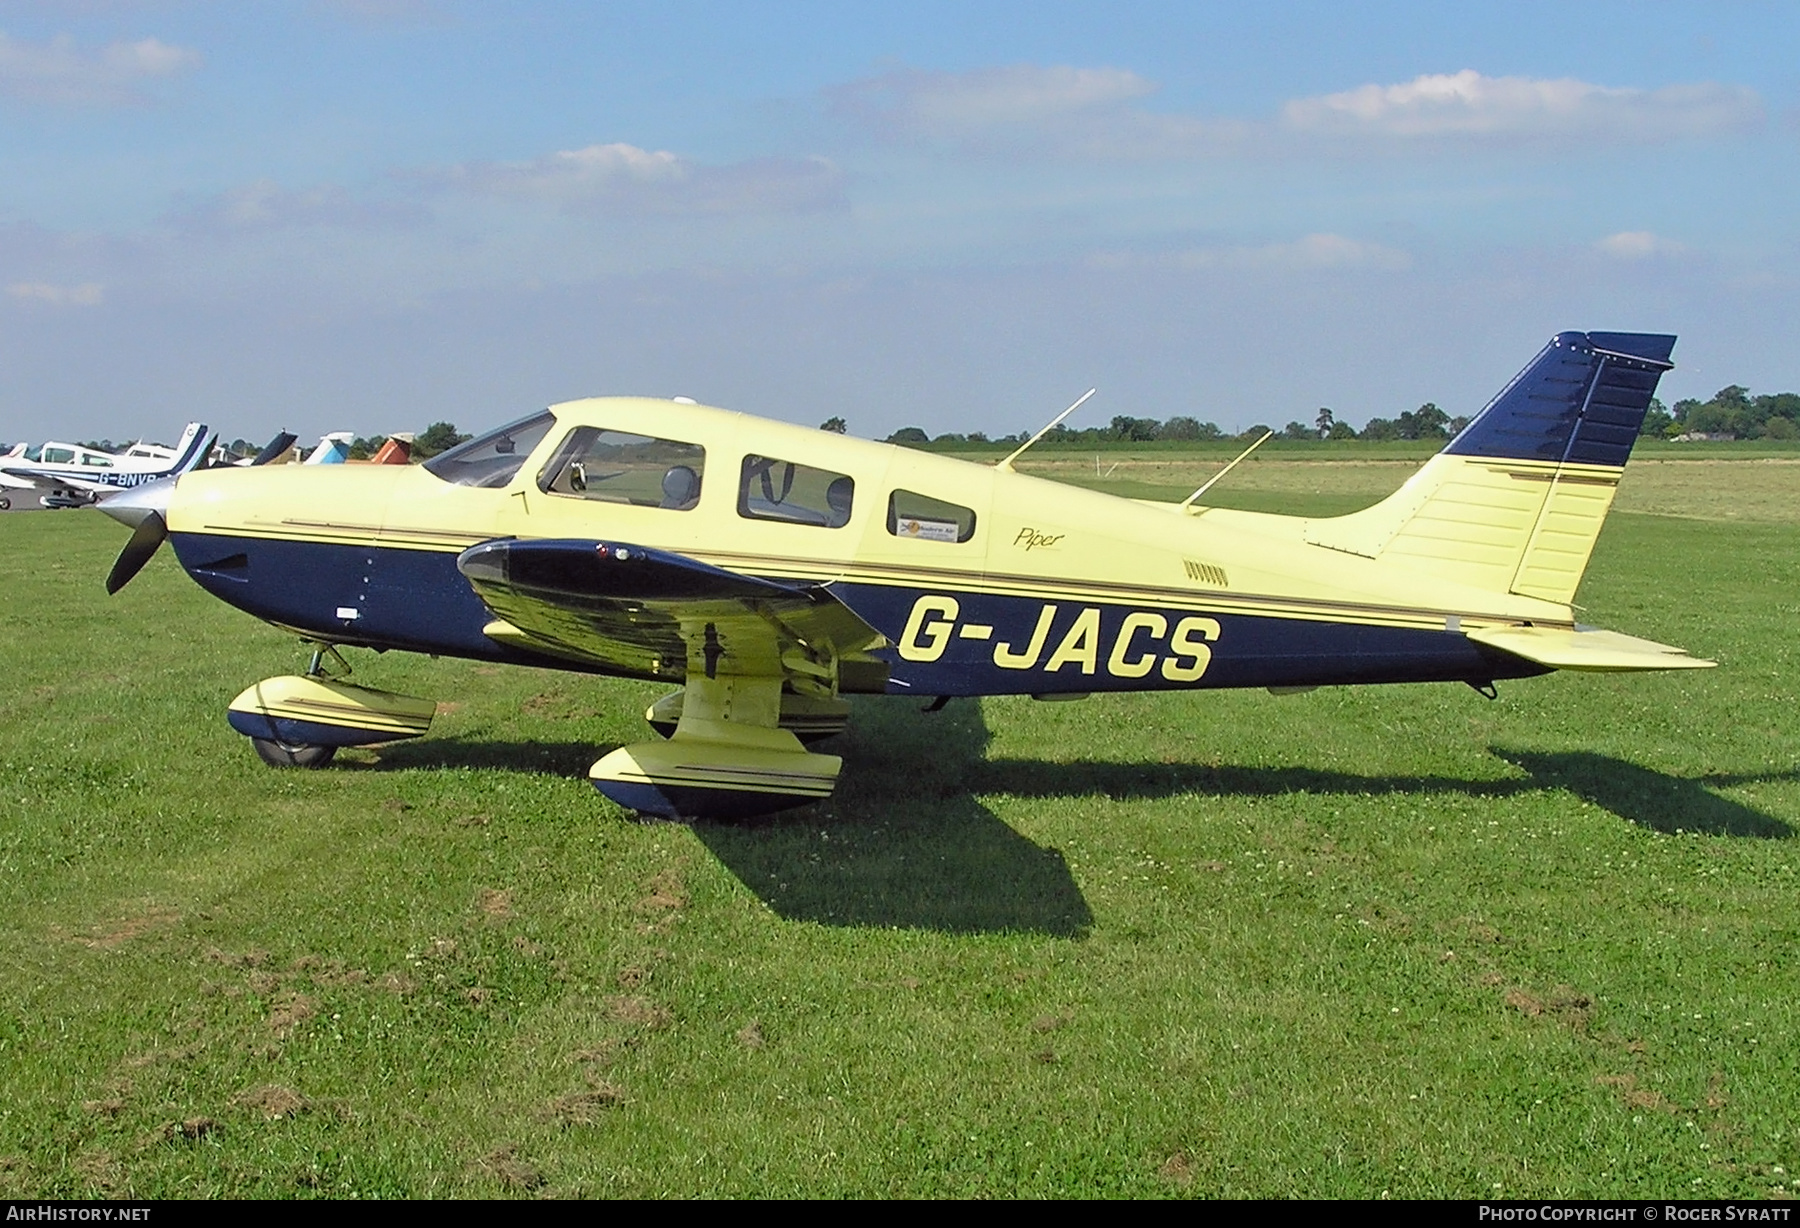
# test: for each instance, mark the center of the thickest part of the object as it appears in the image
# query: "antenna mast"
(1189, 501)
(1048, 427)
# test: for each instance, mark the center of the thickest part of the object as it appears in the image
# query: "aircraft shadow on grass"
(905, 842)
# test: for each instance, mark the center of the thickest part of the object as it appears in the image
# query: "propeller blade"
(277, 446)
(144, 541)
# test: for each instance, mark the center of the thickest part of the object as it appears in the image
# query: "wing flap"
(656, 614)
(1598, 651)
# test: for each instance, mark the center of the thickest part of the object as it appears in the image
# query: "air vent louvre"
(1206, 573)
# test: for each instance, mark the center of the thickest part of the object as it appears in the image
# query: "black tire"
(292, 754)
(5, 504)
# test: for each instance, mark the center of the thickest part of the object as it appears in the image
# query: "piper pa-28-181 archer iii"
(769, 570)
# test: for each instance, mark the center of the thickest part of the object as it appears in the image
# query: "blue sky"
(374, 214)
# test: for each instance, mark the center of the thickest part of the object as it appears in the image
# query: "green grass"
(1336, 944)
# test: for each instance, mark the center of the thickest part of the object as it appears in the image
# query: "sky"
(372, 215)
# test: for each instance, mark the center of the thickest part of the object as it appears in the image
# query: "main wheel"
(5, 504)
(292, 754)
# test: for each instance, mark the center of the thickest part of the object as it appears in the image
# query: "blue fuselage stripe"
(942, 643)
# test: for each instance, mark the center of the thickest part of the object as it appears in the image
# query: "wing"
(654, 614)
(24, 477)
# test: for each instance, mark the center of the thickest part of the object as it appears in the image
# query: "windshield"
(492, 459)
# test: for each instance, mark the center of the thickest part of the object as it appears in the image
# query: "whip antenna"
(1189, 501)
(1048, 427)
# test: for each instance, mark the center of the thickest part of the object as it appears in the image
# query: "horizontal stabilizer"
(1602, 651)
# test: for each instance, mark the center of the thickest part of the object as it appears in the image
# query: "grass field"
(1355, 942)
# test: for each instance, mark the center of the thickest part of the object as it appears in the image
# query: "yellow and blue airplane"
(768, 570)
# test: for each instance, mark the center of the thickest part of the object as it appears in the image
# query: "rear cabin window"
(619, 467)
(491, 460)
(923, 518)
(772, 489)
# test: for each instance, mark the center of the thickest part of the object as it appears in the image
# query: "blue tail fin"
(1580, 401)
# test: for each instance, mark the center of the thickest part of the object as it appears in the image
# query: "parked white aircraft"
(69, 475)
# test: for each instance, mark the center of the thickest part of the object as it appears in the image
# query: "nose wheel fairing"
(293, 710)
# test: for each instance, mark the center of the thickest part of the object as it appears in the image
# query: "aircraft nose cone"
(132, 506)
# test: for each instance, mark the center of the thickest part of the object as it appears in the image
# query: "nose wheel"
(292, 754)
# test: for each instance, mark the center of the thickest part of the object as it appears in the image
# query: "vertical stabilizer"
(1516, 501)
(191, 452)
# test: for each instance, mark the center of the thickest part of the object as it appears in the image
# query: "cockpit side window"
(923, 518)
(619, 467)
(772, 489)
(492, 459)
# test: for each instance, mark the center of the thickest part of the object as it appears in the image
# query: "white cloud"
(624, 178)
(60, 73)
(87, 294)
(1469, 105)
(1312, 252)
(1098, 112)
(1085, 111)
(266, 205)
(1638, 245)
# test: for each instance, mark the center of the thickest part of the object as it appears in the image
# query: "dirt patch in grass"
(101, 1170)
(191, 1130)
(751, 1035)
(603, 1052)
(290, 1011)
(1636, 1097)
(638, 1012)
(663, 892)
(584, 1108)
(1565, 1004)
(510, 1169)
(1178, 1169)
(495, 904)
(273, 1101)
(117, 933)
(247, 959)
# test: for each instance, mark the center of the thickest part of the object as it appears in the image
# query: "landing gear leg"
(729, 757)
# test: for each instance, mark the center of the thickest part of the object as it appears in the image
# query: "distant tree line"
(1425, 422)
(1731, 412)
